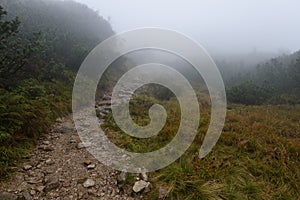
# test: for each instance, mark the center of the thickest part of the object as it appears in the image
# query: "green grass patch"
(256, 157)
(11, 153)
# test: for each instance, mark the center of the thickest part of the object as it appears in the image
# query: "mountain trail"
(61, 168)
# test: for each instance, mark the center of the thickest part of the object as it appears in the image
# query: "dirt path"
(60, 168)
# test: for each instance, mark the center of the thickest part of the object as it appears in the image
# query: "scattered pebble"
(32, 192)
(89, 183)
(91, 166)
(140, 185)
(49, 162)
(26, 195)
(40, 188)
(87, 162)
(56, 169)
(82, 145)
(144, 176)
(162, 193)
(27, 167)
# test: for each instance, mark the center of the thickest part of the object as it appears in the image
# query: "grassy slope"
(257, 156)
(28, 117)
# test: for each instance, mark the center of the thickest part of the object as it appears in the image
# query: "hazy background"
(223, 27)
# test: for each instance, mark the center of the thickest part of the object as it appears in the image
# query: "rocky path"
(61, 168)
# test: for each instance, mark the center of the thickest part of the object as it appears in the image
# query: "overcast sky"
(219, 25)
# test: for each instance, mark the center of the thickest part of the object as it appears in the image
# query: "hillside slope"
(42, 44)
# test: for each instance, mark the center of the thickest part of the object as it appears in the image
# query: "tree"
(295, 71)
(249, 93)
(15, 51)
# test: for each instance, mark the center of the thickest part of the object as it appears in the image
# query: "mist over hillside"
(69, 29)
(60, 141)
(222, 27)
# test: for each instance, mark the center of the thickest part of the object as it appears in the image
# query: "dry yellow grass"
(257, 156)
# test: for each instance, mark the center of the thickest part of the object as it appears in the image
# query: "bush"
(29, 109)
(158, 92)
(249, 93)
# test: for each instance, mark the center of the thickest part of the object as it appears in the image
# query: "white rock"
(144, 176)
(122, 177)
(27, 167)
(89, 183)
(82, 145)
(32, 192)
(49, 162)
(140, 185)
(91, 166)
(40, 188)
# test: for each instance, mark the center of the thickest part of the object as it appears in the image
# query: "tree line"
(276, 81)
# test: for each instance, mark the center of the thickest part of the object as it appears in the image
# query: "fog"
(221, 26)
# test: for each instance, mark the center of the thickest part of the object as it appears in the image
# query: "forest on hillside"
(275, 81)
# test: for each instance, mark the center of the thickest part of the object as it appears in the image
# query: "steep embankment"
(42, 44)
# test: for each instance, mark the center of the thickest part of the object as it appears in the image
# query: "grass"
(27, 112)
(11, 153)
(256, 157)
